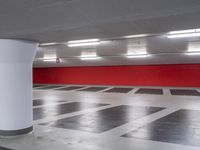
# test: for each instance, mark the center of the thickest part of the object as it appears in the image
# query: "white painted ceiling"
(64, 20)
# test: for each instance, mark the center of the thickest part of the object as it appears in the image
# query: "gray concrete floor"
(52, 138)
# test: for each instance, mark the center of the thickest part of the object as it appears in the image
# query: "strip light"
(193, 53)
(79, 43)
(135, 36)
(83, 41)
(184, 33)
(138, 56)
(49, 60)
(47, 44)
(90, 58)
(76, 43)
(83, 44)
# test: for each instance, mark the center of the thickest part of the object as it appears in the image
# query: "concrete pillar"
(16, 112)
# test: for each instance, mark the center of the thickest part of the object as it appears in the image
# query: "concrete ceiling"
(64, 20)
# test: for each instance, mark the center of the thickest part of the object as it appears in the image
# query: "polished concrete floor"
(78, 117)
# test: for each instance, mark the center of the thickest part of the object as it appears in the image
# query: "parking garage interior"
(100, 75)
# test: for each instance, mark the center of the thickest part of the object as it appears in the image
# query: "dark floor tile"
(38, 102)
(149, 91)
(181, 127)
(4, 148)
(119, 90)
(50, 87)
(71, 88)
(93, 89)
(185, 92)
(58, 109)
(104, 120)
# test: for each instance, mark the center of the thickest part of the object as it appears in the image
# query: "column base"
(16, 132)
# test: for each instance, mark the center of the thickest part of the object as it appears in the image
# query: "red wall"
(149, 75)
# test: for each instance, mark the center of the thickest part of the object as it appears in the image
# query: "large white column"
(16, 112)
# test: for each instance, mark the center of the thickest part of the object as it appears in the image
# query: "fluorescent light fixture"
(135, 36)
(90, 58)
(137, 51)
(49, 57)
(46, 57)
(49, 60)
(194, 46)
(47, 44)
(85, 54)
(140, 53)
(193, 53)
(184, 33)
(83, 44)
(79, 43)
(83, 41)
(138, 56)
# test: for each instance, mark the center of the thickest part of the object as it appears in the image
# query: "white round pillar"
(16, 112)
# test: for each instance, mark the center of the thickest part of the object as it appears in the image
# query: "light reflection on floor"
(51, 138)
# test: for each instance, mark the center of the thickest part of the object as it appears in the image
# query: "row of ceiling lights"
(95, 42)
(89, 42)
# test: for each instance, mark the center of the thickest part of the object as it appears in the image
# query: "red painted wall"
(149, 75)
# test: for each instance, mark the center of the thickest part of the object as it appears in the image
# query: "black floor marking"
(50, 87)
(41, 86)
(119, 90)
(149, 91)
(180, 127)
(70, 88)
(104, 120)
(59, 109)
(38, 85)
(38, 102)
(94, 89)
(4, 148)
(184, 92)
